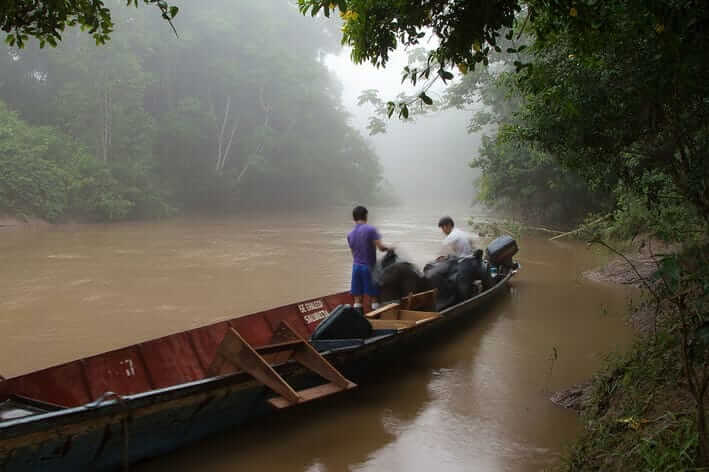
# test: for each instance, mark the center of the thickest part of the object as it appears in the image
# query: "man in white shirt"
(456, 243)
(459, 244)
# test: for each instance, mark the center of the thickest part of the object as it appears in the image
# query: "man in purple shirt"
(364, 240)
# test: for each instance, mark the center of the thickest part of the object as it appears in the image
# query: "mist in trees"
(237, 112)
(425, 160)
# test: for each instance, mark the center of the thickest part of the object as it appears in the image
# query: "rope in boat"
(120, 400)
(107, 396)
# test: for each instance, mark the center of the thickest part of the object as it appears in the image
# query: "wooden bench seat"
(417, 315)
(392, 324)
(384, 312)
(393, 317)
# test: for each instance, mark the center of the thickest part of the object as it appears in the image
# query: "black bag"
(396, 278)
(464, 278)
(343, 323)
(442, 275)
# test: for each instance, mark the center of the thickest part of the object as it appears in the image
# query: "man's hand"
(379, 245)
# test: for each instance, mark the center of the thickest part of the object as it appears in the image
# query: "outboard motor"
(501, 250)
(499, 255)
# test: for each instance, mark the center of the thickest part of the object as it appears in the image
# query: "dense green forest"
(236, 111)
(599, 106)
(519, 179)
(596, 111)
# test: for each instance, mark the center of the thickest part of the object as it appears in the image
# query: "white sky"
(427, 161)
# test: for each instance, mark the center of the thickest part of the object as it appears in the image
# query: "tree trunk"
(223, 148)
(107, 123)
(225, 154)
(220, 138)
(702, 433)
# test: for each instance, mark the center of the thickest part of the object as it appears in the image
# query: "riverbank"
(18, 222)
(637, 411)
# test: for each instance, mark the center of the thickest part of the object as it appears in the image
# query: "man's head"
(359, 213)
(446, 224)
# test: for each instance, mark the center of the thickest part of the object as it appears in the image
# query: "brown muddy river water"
(478, 402)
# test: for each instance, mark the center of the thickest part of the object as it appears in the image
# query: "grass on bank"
(638, 414)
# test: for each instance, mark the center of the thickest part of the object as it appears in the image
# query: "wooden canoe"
(106, 411)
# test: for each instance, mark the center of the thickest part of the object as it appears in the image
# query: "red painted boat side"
(163, 362)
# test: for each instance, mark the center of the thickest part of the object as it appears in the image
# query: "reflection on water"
(477, 401)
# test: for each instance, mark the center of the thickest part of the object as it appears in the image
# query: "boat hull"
(124, 430)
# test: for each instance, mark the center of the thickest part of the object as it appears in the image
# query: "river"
(479, 402)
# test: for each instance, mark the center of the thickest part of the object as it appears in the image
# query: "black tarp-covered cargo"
(397, 277)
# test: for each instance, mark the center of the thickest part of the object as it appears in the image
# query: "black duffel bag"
(343, 323)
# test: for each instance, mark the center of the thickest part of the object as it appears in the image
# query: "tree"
(46, 20)
(45, 173)
(466, 29)
(613, 91)
(616, 89)
(239, 106)
(630, 100)
(466, 32)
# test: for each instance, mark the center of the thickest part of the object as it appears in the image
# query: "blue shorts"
(362, 283)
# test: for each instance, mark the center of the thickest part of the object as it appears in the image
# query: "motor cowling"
(501, 250)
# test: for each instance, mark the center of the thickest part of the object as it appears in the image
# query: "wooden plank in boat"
(419, 300)
(392, 324)
(308, 394)
(306, 355)
(234, 349)
(427, 320)
(417, 315)
(387, 311)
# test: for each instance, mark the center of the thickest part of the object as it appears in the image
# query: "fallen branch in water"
(514, 228)
(541, 228)
(569, 233)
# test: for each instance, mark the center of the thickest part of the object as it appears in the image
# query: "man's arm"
(379, 245)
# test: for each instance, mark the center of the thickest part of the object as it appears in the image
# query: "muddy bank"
(638, 263)
(19, 222)
(574, 397)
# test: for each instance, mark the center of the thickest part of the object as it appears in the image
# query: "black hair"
(446, 220)
(359, 213)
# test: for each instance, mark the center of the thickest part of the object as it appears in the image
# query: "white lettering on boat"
(128, 364)
(317, 316)
(313, 311)
(310, 306)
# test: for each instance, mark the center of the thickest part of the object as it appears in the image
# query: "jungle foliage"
(604, 103)
(238, 112)
(611, 90)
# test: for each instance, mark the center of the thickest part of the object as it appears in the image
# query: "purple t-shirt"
(361, 240)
